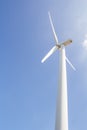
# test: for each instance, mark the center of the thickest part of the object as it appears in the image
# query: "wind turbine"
(61, 122)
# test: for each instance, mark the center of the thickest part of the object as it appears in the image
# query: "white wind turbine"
(62, 100)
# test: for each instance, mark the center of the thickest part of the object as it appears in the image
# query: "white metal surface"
(53, 29)
(62, 102)
(68, 61)
(61, 122)
(49, 53)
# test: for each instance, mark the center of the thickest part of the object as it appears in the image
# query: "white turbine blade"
(70, 64)
(49, 53)
(54, 33)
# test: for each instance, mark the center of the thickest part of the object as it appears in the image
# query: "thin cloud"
(83, 50)
(84, 43)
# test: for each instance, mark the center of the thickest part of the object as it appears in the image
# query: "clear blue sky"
(28, 89)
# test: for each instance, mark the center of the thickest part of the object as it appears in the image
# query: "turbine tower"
(61, 122)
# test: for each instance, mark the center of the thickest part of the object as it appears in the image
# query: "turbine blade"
(49, 53)
(54, 33)
(67, 42)
(70, 64)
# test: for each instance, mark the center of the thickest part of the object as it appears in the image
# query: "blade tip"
(42, 61)
(74, 69)
(48, 12)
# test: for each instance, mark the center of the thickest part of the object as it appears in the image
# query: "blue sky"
(28, 89)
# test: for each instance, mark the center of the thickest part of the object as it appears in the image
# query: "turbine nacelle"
(67, 42)
(64, 43)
